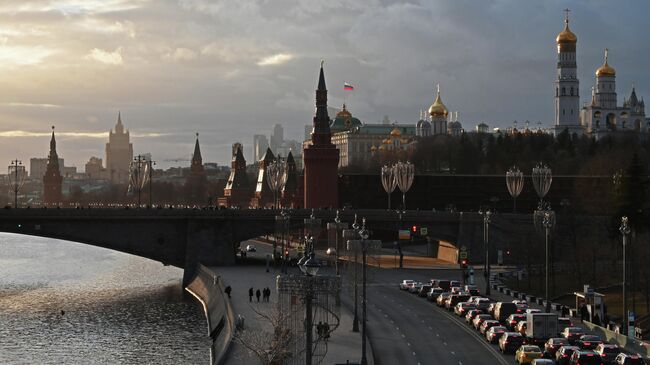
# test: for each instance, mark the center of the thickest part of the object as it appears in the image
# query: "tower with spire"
(567, 86)
(238, 190)
(196, 182)
(321, 157)
(119, 153)
(438, 112)
(52, 180)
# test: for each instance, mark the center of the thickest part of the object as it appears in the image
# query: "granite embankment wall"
(208, 288)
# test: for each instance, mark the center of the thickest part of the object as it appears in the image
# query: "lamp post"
(336, 226)
(276, 174)
(353, 234)
(543, 216)
(150, 166)
(486, 242)
(363, 245)
(16, 176)
(515, 184)
(388, 180)
(404, 174)
(286, 218)
(542, 179)
(138, 175)
(625, 231)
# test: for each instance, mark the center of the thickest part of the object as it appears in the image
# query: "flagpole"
(344, 92)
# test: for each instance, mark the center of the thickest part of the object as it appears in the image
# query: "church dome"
(344, 121)
(438, 109)
(605, 69)
(566, 36)
(373, 148)
(395, 132)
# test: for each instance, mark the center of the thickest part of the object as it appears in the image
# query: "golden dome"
(395, 132)
(605, 69)
(373, 148)
(566, 36)
(438, 109)
(344, 113)
(382, 147)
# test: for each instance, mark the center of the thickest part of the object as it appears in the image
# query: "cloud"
(110, 58)
(276, 59)
(181, 54)
(23, 55)
(31, 105)
(102, 135)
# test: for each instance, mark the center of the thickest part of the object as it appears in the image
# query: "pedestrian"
(228, 290)
(250, 294)
(268, 294)
(257, 294)
(596, 320)
(264, 294)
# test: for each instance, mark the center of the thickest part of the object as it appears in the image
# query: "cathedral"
(602, 115)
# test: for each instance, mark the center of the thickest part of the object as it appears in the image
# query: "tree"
(271, 344)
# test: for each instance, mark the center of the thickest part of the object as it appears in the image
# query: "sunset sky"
(231, 69)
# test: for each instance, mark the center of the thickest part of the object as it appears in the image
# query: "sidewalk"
(343, 345)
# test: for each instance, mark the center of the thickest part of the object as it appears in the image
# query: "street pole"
(355, 320)
(486, 220)
(625, 230)
(308, 325)
(364, 360)
(16, 186)
(547, 230)
(151, 163)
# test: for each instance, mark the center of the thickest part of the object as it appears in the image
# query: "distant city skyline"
(230, 71)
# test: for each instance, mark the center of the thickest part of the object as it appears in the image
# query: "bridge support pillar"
(209, 243)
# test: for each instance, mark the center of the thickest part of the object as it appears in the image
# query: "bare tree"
(271, 344)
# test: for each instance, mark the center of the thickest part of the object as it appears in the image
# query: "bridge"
(186, 237)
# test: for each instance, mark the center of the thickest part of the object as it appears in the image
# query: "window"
(571, 90)
(563, 91)
(556, 92)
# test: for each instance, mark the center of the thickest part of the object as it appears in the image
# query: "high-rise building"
(119, 154)
(260, 144)
(94, 168)
(38, 166)
(567, 90)
(277, 138)
(52, 180)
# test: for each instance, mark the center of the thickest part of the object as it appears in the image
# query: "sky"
(233, 68)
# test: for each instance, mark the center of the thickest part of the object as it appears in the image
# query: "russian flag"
(347, 86)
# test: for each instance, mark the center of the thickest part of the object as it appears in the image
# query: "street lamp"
(276, 173)
(543, 216)
(388, 180)
(286, 218)
(486, 242)
(515, 183)
(150, 166)
(542, 179)
(336, 226)
(363, 245)
(404, 174)
(138, 175)
(16, 177)
(353, 234)
(625, 231)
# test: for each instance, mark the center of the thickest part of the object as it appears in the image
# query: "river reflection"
(68, 303)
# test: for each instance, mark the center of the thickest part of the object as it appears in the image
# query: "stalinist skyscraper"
(119, 154)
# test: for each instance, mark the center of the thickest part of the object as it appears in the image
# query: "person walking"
(228, 290)
(250, 294)
(257, 294)
(268, 294)
(264, 295)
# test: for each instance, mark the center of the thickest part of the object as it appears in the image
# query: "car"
(490, 308)
(513, 319)
(472, 289)
(522, 305)
(330, 251)
(503, 310)
(487, 324)
(585, 357)
(521, 327)
(442, 298)
(543, 362)
(563, 354)
(461, 308)
(572, 334)
(588, 342)
(415, 288)
(444, 284)
(533, 310)
(454, 283)
(510, 341)
(527, 353)
(455, 299)
(432, 295)
(564, 322)
(483, 303)
(553, 344)
(251, 248)
(494, 333)
(478, 320)
(629, 359)
(424, 290)
(608, 352)
(405, 284)
(471, 314)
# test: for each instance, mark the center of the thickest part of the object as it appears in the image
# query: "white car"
(406, 284)
(251, 248)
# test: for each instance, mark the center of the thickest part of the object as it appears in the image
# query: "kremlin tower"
(52, 179)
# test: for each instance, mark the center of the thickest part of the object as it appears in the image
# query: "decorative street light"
(276, 173)
(486, 242)
(150, 165)
(515, 183)
(625, 231)
(543, 216)
(363, 245)
(542, 179)
(353, 234)
(388, 180)
(138, 175)
(336, 226)
(16, 178)
(404, 174)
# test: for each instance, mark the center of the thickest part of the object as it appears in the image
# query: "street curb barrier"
(630, 344)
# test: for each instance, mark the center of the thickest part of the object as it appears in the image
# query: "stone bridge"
(187, 237)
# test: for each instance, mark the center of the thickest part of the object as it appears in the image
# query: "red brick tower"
(52, 179)
(321, 158)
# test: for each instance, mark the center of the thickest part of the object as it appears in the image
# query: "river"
(68, 303)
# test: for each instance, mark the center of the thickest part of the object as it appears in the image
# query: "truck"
(540, 327)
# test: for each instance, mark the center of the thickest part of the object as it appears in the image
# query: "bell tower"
(567, 86)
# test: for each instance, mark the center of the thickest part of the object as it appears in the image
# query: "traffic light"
(463, 264)
(286, 254)
(414, 229)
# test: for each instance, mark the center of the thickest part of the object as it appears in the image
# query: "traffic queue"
(532, 336)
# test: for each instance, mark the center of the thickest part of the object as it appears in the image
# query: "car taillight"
(588, 344)
(603, 355)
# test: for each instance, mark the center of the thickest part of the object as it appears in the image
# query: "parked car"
(503, 310)
(521, 327)
(251, 248)
(424, 290)
(442, 298)
(432, 295)
(487, 324)
(510, 341)
(461, 308)
(527, 353)
(573, 334)
(405, 284)
(608, 352)
(629, 359)
(471, 314)
(553, 344)
(588, 342)
(494, 333)
(513, 319)
(478, 320)
(585, 357)
(563, 354)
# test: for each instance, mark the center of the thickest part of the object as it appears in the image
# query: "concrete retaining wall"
(207, 287)
(630, 344)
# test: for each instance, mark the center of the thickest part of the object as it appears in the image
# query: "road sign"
(404, 234)
(462, 255)
(424, 231)
(463, 248)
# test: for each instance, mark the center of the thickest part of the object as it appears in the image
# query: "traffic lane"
(432, 333)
